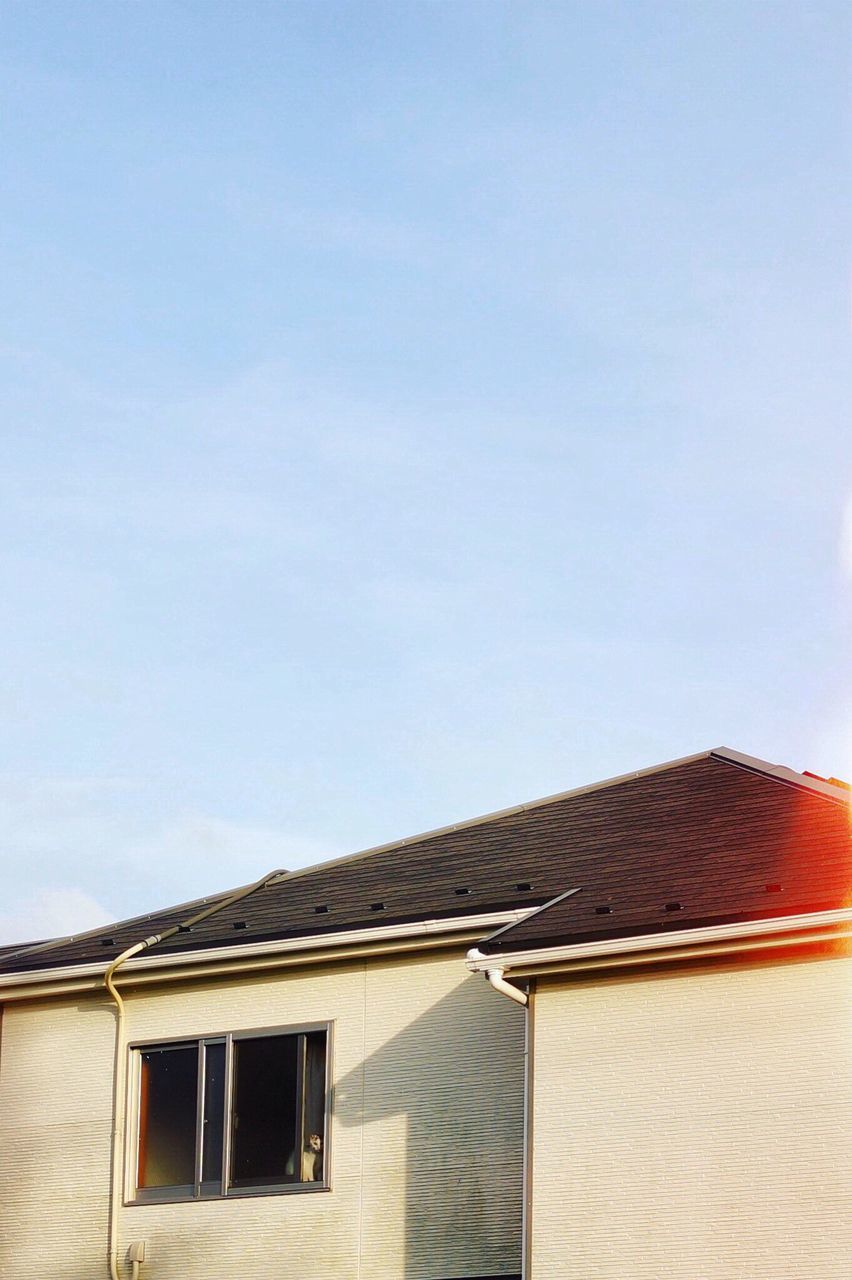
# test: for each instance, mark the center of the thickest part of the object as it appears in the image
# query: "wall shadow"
(454, 1075)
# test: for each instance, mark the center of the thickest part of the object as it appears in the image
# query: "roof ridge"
(780, 773)
(496, 814)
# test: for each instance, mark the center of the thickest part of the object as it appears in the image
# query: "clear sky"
(408, 409)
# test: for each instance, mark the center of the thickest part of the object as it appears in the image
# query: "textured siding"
(55, 1119)
(452, 1138)
(695, 1127)
(425, 1152)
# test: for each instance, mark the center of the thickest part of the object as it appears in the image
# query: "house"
(607, 1034)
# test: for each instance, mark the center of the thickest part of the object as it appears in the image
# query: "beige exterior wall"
(694, 1126)
(425, 1149)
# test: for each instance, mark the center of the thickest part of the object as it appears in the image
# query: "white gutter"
(80, 976)
(479, 963)
(676, 955)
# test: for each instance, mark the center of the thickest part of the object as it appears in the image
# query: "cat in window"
(310, 1165)
(312, 1159)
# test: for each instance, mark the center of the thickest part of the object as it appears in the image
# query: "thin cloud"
(51, 913)
(846, 539)
(216, 853)
(78, 853)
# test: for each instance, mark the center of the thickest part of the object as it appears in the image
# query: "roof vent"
(461, 893)
(107, 942)
(773, 888)
(377, 906)
(603, 911)
(240, 924)
(523, 886)
(673, 906)
(184, 928)
(321, 911)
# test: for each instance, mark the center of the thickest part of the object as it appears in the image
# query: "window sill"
(236, 1193)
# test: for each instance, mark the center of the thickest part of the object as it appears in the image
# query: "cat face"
(315, 1142)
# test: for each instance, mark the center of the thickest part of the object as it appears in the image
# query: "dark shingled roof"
(712, 838)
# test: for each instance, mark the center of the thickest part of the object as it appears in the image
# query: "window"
(234, 1114)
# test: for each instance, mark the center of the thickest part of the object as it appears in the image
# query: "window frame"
(191, 1193)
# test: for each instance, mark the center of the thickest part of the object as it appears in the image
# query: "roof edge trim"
(782, 773)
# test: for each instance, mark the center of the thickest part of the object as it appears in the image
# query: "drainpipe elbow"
(499, 983)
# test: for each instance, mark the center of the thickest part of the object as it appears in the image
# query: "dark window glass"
(213, 1119)
(265, 1108)
(167, 1107)
(313, 1149)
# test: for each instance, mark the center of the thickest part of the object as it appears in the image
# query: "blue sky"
(407, 410)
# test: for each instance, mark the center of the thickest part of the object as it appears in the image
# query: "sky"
(407, 410)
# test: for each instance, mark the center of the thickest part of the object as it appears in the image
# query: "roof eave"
(206, 962)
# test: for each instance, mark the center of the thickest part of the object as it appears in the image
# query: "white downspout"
(498, 982)
(119, 1090)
